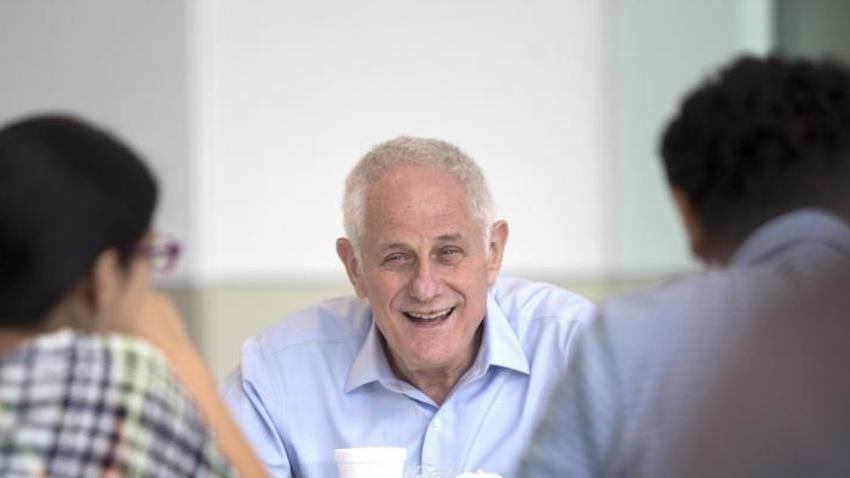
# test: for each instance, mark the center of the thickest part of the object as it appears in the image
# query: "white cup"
(370, 462)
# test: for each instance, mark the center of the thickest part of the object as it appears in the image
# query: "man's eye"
(450, 254)
(395, 258)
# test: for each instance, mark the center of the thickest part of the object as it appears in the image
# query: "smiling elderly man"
(437, 354)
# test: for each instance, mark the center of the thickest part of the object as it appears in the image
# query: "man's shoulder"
(712, 291)
(525, 300)
(690, 292)
(710, 305)
(337, 320)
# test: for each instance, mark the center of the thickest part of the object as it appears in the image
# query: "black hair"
(762, 137)
(68, 191)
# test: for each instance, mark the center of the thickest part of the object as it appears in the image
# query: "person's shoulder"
(525, 300)
(337, 320)
(92, 356)
(704, 308)
(87, 377)
(94, 353)
(127, 369)
(707, 292)
(539, 298)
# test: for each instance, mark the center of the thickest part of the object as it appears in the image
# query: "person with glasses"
(98, 376)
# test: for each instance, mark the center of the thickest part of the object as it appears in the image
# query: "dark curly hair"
(760, 138)
(68, 191)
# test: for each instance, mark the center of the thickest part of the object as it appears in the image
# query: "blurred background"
(252, 113)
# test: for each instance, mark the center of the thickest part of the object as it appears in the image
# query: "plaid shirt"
(79, 405)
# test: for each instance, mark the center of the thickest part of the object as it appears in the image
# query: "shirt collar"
(370, 364)
(782, 231)
(500, 347)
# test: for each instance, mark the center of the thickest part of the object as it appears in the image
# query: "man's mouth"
(428, 318)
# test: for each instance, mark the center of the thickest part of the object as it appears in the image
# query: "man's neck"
(436, 383)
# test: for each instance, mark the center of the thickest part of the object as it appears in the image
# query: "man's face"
(425, 268)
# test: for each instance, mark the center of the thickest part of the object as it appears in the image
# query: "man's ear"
(346, 253)
(496, 250)
(693, 226)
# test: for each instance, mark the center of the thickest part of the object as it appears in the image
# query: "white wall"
(301, 89)
(661, 50)
(121, 64)
(253, 112)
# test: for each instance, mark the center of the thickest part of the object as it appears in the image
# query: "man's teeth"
(431, 315)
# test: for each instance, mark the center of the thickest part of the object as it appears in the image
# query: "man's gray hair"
(413, 151)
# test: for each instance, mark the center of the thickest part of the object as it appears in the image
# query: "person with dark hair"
(97, 374)
(705, 376)
(763, 138)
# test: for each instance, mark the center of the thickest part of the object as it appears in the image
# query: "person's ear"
(693, 226)
(104, 282)
(346, 253)
(496, 250)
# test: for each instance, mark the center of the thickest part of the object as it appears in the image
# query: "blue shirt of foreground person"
(441, 357)
(734, 372)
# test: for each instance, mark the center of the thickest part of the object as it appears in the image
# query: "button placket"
(436, 424)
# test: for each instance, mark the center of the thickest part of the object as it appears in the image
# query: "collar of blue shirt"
(785, 230)
(499, 348)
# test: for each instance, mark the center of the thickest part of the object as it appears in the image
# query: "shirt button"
(436, 424)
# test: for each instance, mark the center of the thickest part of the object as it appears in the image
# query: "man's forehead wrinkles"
(391, 245)
(439, 224)
(401, 244)
(454, 236)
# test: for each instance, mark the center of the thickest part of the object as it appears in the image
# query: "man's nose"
(425, 285)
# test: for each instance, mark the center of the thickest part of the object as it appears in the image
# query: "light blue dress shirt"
(319, 380)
